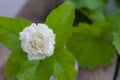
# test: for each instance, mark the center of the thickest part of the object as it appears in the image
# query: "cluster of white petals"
(37, 41)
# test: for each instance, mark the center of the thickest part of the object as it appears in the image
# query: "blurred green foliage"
(93, 9)
(94, 43)
(91, 44)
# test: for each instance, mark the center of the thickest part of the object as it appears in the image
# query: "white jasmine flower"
(37, 41)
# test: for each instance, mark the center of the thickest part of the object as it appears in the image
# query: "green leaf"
(90, 4)
(9, 36)
(14, 63)
(93, 9)
(60, 20)
(101, 28)
(9, 32)
(115, 28)
(37, 70)
(13, 24)
(27, 70)
(90, 52)
(10, 40)
(83, 29)
(115, 22)
(98, 14)
(65, 65)
(45, 68)
(91, 46)
(97, 29)
(116, 41)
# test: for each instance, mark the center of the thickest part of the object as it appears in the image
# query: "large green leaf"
(91, 46)
(37, 70)
(115, 22)
(101, 29)
(65, 65)
(14, 25)
(10, 40)
(115, 28)
(116, 41)
(45, 69)
(60, 21)
(9, 32)
(27, 70)
(14, 64)
(9, 36)
(97, 29)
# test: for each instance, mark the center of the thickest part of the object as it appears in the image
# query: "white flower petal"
(37, 41)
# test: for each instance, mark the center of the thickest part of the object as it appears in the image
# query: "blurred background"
(36, 11)
(11, 8)
(33, 10)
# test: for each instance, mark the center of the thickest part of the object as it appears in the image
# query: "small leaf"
(60, 20)
(65, 67)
